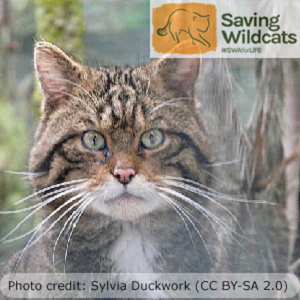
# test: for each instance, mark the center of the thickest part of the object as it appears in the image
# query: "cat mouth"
(124, 199)
(126, 207)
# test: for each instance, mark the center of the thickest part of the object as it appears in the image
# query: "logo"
(187, 28)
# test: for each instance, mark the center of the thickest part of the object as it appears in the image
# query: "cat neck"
(134, 251)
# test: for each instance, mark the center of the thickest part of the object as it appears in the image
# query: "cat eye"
(152, 139)
(93, 140)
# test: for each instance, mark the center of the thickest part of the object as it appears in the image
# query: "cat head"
(109, 138)
(201, 23)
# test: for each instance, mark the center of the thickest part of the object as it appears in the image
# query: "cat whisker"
(41, 205)
(147, 90)
(181, 210)
(94, 100)
(197, 221)
(211, 192)
(69, 220)
(56, 220)
(49, 188)
(26, 174)
(77, 217)
(219, 195)
(212, 225)
(172, 203)
(209, 219)
(31, 243)
(80, 100)
(224, 226)
(223, 163)
(212, 175)
(205, 195)
(27, 177)
(36, 205)
(168, 103)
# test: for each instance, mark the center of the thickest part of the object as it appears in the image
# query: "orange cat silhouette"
(189, 22)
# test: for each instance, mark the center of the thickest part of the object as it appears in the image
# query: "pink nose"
(124, 175)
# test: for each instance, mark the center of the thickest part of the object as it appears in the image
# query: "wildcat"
(122, 168)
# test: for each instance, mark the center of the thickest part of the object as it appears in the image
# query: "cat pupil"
(95, 140)
(152, 138)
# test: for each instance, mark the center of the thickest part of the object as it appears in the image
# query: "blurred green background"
(96, 32)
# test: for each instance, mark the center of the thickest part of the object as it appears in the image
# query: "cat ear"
(179, 74)
(57, 73)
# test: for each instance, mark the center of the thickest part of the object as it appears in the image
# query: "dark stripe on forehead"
(130, 81)
(144, 108)
(134, 108)
(118, 76)
(120, 100)
(110, 78)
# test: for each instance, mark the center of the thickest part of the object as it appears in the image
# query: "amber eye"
(152, 139)
(93, 140)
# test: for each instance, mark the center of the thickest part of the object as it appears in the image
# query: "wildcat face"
(114, 135)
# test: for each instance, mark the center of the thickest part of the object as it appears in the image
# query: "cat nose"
(124, 175)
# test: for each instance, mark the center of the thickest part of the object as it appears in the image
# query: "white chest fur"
(133, 252)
